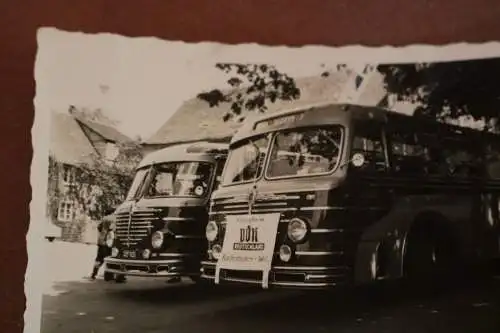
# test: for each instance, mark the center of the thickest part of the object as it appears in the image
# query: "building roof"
(107, 132)
(68, 143)
(195, 120)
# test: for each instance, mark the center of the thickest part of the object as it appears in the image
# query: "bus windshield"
(180, 179)
(136, 184)
(245, 163)
(305, 152)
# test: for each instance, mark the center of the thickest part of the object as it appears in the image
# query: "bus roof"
(337, 113)
(314, 114)
(198, 151)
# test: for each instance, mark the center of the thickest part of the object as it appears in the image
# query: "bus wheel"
(108, 276)
(430, 255)
(203, 283)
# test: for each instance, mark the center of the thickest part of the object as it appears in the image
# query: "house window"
(111, 152)
(66, 211)
(68, 174)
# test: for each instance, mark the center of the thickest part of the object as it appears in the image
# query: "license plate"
(129, 254)
(249, 244)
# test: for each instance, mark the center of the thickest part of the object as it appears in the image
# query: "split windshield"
(179, 179)
(305, 152)
(136, 184)
(246, 161)
(296, 152)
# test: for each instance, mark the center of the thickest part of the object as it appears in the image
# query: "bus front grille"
(130, 230)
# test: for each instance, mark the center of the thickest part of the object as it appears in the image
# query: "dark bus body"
(159, 229)
(392, 196)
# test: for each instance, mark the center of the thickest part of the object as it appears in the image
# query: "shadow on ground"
(462, 307)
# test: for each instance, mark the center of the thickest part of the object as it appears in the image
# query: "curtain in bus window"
(179, 179)
(305, 152)
(408, 155)
(245, 162)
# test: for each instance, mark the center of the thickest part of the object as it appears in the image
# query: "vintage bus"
(343, 194)
(159, 229)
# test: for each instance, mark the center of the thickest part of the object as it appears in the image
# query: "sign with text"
(249, 244)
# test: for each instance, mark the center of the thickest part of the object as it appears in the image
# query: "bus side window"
(493, 161)
(408, 156)
(368, 141)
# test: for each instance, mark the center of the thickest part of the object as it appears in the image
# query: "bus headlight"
(157, 239)
(110, 239)
(146, 254)
(297, 230)
(211, 231)
(114, 252)
(216, 251)
(285, 253)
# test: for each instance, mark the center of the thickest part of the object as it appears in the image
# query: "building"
(75, 141)
(196, 121)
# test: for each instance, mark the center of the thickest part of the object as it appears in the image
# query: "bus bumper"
(296, 277)
(149, 268)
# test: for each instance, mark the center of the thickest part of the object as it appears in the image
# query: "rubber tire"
(200, 282)
(120, 278)
(108, 276)
(430, 258)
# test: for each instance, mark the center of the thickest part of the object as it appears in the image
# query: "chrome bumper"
(297, 277)
(147, 268)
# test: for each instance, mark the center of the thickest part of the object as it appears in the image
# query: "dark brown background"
(333, 22)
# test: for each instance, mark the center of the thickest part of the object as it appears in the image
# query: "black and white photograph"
(189, 187)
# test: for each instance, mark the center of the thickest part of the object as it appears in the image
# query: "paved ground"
(146, 306)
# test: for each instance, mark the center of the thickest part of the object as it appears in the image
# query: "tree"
(252, 87)
(441, 90)
(449, 90)
(96, 186)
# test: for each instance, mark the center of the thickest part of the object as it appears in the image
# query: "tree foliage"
(252, 87)
(95, 186)
(448, 90)
(441, 90)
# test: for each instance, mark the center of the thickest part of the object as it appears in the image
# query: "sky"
(142, 81)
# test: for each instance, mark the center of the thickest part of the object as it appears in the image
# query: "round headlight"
(297, 230)
(211, 231)
(110, 239)
(216, 251)
(157, 239)
(114, 252)
(285, 253)
(146, 254)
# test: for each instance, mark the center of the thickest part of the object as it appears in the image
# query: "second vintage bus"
(338, 194)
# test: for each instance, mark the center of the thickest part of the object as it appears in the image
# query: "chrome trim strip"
(208, 263)
(144, 274)
(323, 276)
(303, 284)
(326, 231)
(308, 268)
(309, 208)
(177, 219)
(256, 211)
(177, 255)
(132, 262)
(317, 253)
(188, 237)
